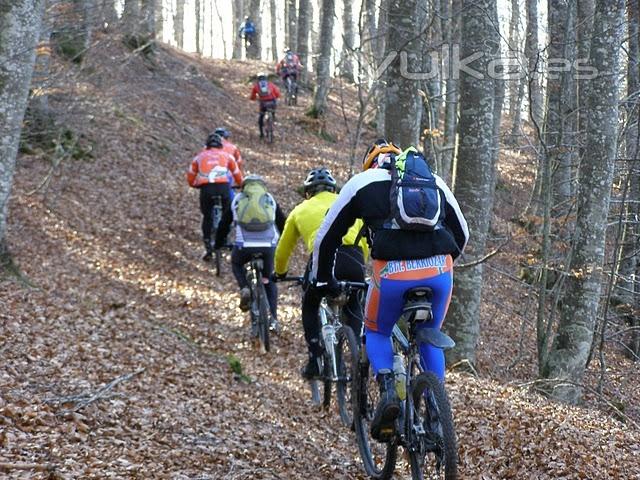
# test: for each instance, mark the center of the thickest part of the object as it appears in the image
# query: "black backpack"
(417, 203)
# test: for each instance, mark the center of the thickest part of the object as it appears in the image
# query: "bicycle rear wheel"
(379, 459)
(218, 261)
(263, 317)
(269, 127)
(433, 438)
(346, 363)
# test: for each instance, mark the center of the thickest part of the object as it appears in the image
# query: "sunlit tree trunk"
(534, 62)
(237, 9)
(40, 98)
(452, 40)
(474, 174)
(159, 17)
(178, 23)
(323, 70)
(131, 16)
(584, 26)
(147, 27)
(108, 14)
(403, 104)
(274, 36)
(380, 35)
(199, 22)
(19, 31)
(348, 39)
(516, 86)
(570, 349)
(292, 25)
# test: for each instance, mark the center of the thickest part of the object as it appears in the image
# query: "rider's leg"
(261, 120)
(350, 266)
(240, 256)
(311, 324)
(206, 207)
(269, 286)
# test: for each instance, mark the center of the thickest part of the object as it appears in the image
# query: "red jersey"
(265, 91)
(234, 151)
(213, 165)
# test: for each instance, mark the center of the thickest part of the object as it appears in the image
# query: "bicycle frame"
(329, 313)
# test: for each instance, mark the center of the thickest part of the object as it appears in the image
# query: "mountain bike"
(340, 353)
(291, 89)
(269, 120)
(425, 426)
(261, 320)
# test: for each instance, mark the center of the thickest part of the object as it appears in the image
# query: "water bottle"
(400, 377)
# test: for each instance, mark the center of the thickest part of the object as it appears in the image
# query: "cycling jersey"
(304, 221)
(212, 165)
(234, 151)
(267, 92)
(286, 66)
(366, 196)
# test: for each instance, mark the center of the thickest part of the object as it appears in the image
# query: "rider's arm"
(192, 173)
(223, 227)
(281, 218)
(275, 91)
(254, 92)
(454, 219)
(286, 244)
(235, 170)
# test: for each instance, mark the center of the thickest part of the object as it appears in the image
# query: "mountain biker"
(209, 172)
(402, 259)
(230, 147)
(289, 66)
(304, 221)
(267, 94)
(247, 31)
(258, 219)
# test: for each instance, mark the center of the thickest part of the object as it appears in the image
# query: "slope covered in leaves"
(117, 359)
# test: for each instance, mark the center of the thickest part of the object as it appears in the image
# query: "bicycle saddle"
(417, 304)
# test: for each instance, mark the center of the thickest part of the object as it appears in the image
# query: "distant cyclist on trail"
(267, 94)
(258, 220)
(209, 172)
(289, 66)
(414, 240)
(247, 31)
(230, 147)
(304, 221)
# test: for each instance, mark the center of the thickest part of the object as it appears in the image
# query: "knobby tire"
(347, 362)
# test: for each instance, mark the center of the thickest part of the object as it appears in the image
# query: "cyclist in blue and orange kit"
(402, 259)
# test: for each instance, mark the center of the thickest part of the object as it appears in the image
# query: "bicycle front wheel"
(379, 459)
(433, 452)
(269, 128)
(346, 363)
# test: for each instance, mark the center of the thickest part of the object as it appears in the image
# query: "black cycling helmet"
(214, 141)
(319, 180)
(223, 132)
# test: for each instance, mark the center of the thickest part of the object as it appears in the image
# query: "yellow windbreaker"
(304, 221)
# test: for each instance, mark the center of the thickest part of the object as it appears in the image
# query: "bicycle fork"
(330, 341)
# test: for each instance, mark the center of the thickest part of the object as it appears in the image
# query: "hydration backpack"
(256, 210)
(416, 201)
(263, 88)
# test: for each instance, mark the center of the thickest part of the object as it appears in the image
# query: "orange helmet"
(379, 147)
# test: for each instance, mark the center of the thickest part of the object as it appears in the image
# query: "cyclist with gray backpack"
(416, 230)
(258, 220)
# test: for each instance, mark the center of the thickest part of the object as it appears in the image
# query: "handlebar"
(295, 279)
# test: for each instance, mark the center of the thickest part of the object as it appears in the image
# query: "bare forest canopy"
(124, 356)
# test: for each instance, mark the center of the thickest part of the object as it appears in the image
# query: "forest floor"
(114, 290)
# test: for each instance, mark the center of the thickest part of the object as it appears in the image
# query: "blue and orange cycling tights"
(385, 299)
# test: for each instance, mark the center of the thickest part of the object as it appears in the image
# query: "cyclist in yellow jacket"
(304, 221)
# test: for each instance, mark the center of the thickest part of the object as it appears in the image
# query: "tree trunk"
(534, 61)
(292, 25)
(316, 25)
(39, 97)
(19, 29)
(348, 41)
(178, 24)
(368, 41)
(570, 350)
(628, 290)
(474, 174)
(274, 29)
(254, 50)
(131, 16)
(108, 14)
(304, 9)
(199, 22)
(147, 27)
(380, 32)
(323, 70)
(159, 20)
(237, 8)
(403, 106)
(584, 26)
(452, 39)
(516, 87)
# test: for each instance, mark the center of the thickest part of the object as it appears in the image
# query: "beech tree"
(323, 66)
(474, 173)
(255, 49)
(237, 9)
(571, 346)
(304, 21)
(19, 31)
(346, 61)
(178, 23)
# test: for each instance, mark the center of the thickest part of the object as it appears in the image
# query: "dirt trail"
(113, 249)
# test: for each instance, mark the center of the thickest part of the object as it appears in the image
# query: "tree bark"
(403, 106)
(237, 9)
(292, 25)
(19, 29)
(159, 19)
(516, 90)
(570, 350)
(304, 9)
(534, 62)
(584, 25)
(40, 98)
(274, 29)
(178, 24)
(380, 35)
(131, 16)
(323, 70)
(348, 41)
(199, 22)
(474, 173)
(147, 27)
(108, 14)
(452, 40)
(255, 49)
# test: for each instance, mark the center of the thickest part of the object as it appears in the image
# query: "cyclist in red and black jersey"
(267, 93)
